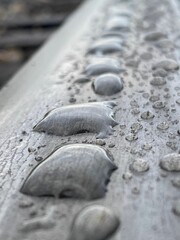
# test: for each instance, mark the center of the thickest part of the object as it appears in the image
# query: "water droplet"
(155, 36)
(147, 146)
(165, 44)
(135, 190)
(26, 204)
(108, 84)
(176, 208)
(119, 11)
(158, 81)
(135, 127)
(158, 105)
(176, 182)
(135, 111)
(111, 145)
(139, 165)
(146, 56)
(154, 98)
(178, 101)
(100, 142)
(172, 145)
(160, 73)
(80, 118)
(147, 115)
(170, 162)
(44, 222)
(106, 65)
(163, 126)
(75, 170)
(131, 137)
(106, 45)
(117, 23)
(82, 79)
(134, 103)
(94, 222)
(112, 34)
(127, 176)
(167, 65)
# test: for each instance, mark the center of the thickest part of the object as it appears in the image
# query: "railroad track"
(90, 129)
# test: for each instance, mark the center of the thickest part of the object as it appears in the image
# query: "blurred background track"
(24, 26)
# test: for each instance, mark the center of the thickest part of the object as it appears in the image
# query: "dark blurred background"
(24, 26)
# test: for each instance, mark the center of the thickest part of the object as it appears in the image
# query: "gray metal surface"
(141, 194)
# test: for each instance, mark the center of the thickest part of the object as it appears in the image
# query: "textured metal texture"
(144, 191)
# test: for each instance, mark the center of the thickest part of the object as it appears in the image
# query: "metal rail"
(143, 192)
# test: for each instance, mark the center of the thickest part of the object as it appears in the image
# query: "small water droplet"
(158, 81)
(127, 176)
(176, 208)
(160, 73)
(118, 23)
(94, 222)
(82, 79)
(139, 165)
(107, 45)
(158, 105)
(26, 204)
(165, 44)
(147, 115)
(135, 190)
(167, 65)
(147, 146)
(111, 145)
(170, 162)
(176, 182)
(135, 127)
(163, 126)
(104, 65)
(155, 36)
(108, 84)
(154, 98)
(172, 145)
(131, 137)
(69, 172)
(100, 142)
(135, 111)
(178, 101)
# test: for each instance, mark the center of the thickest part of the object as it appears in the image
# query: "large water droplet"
(167, 65)
(155, 36)
(147, 115)
(104, 65)
(76, 171)
(170, 162)
(108, 84)
(106, 45)
(139, 165)
(94, 223)
(80, 118)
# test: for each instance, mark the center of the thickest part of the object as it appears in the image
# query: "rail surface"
(130, 49)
